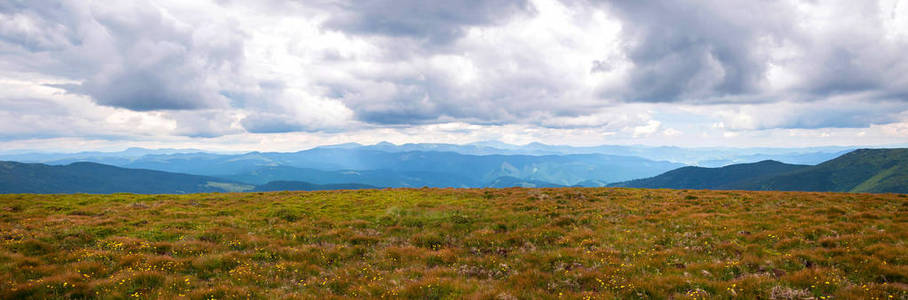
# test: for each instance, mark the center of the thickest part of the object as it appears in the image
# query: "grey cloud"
(841, 118)
(256, 95)
(601, 66)
(430, 96)
(437, 22)
(34, 34)
(719, 51)
(843, 71)
(145, 90)
(203, 123)
(686, 51)
(37, 27)
(127, 54)
(853, 113)
(401, 117)
(406, 102)
(271, 106)
(856, 56)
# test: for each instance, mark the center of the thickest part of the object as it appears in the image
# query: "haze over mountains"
(385, 165)
(705, 156)
(487, 164)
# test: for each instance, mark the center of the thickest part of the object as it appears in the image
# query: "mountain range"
(704, 156)
(353, 166)
(345, 164)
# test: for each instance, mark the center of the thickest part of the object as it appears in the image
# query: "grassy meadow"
(571, 243)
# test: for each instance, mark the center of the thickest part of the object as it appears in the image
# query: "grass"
(586, 243)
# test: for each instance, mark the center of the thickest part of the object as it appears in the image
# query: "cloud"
(271, 123)
(847, 48)
(834, 113)
(434, 22)
(133, 55)
(705, 53)
(490, 75)
(30, 110)
(205, 123)
(291, 109)
(622, 69)
(672, 132)
(645, 130)
(32, 31)
(683, 50)
(722, 52)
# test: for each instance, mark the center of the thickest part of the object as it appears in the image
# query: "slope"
(863, 170)
(726, 177)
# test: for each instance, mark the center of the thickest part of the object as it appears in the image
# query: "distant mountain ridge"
(93, 178)
(727, 177)
(436, 164)
(480, 164)
(86, 177)
(863, 170)
(508, 181)
(707, 156)
(382, 178)
(441, 169)
(306, 186)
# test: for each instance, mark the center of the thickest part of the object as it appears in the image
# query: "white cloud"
(651, 127)
(840, 112)
(672, 132)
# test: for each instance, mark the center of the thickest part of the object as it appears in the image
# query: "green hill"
(864, 170)
(726, 177)
(860, 171)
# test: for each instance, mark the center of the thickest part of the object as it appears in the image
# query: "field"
(586, 243)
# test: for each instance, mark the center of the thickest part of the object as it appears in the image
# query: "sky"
(288, 75)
